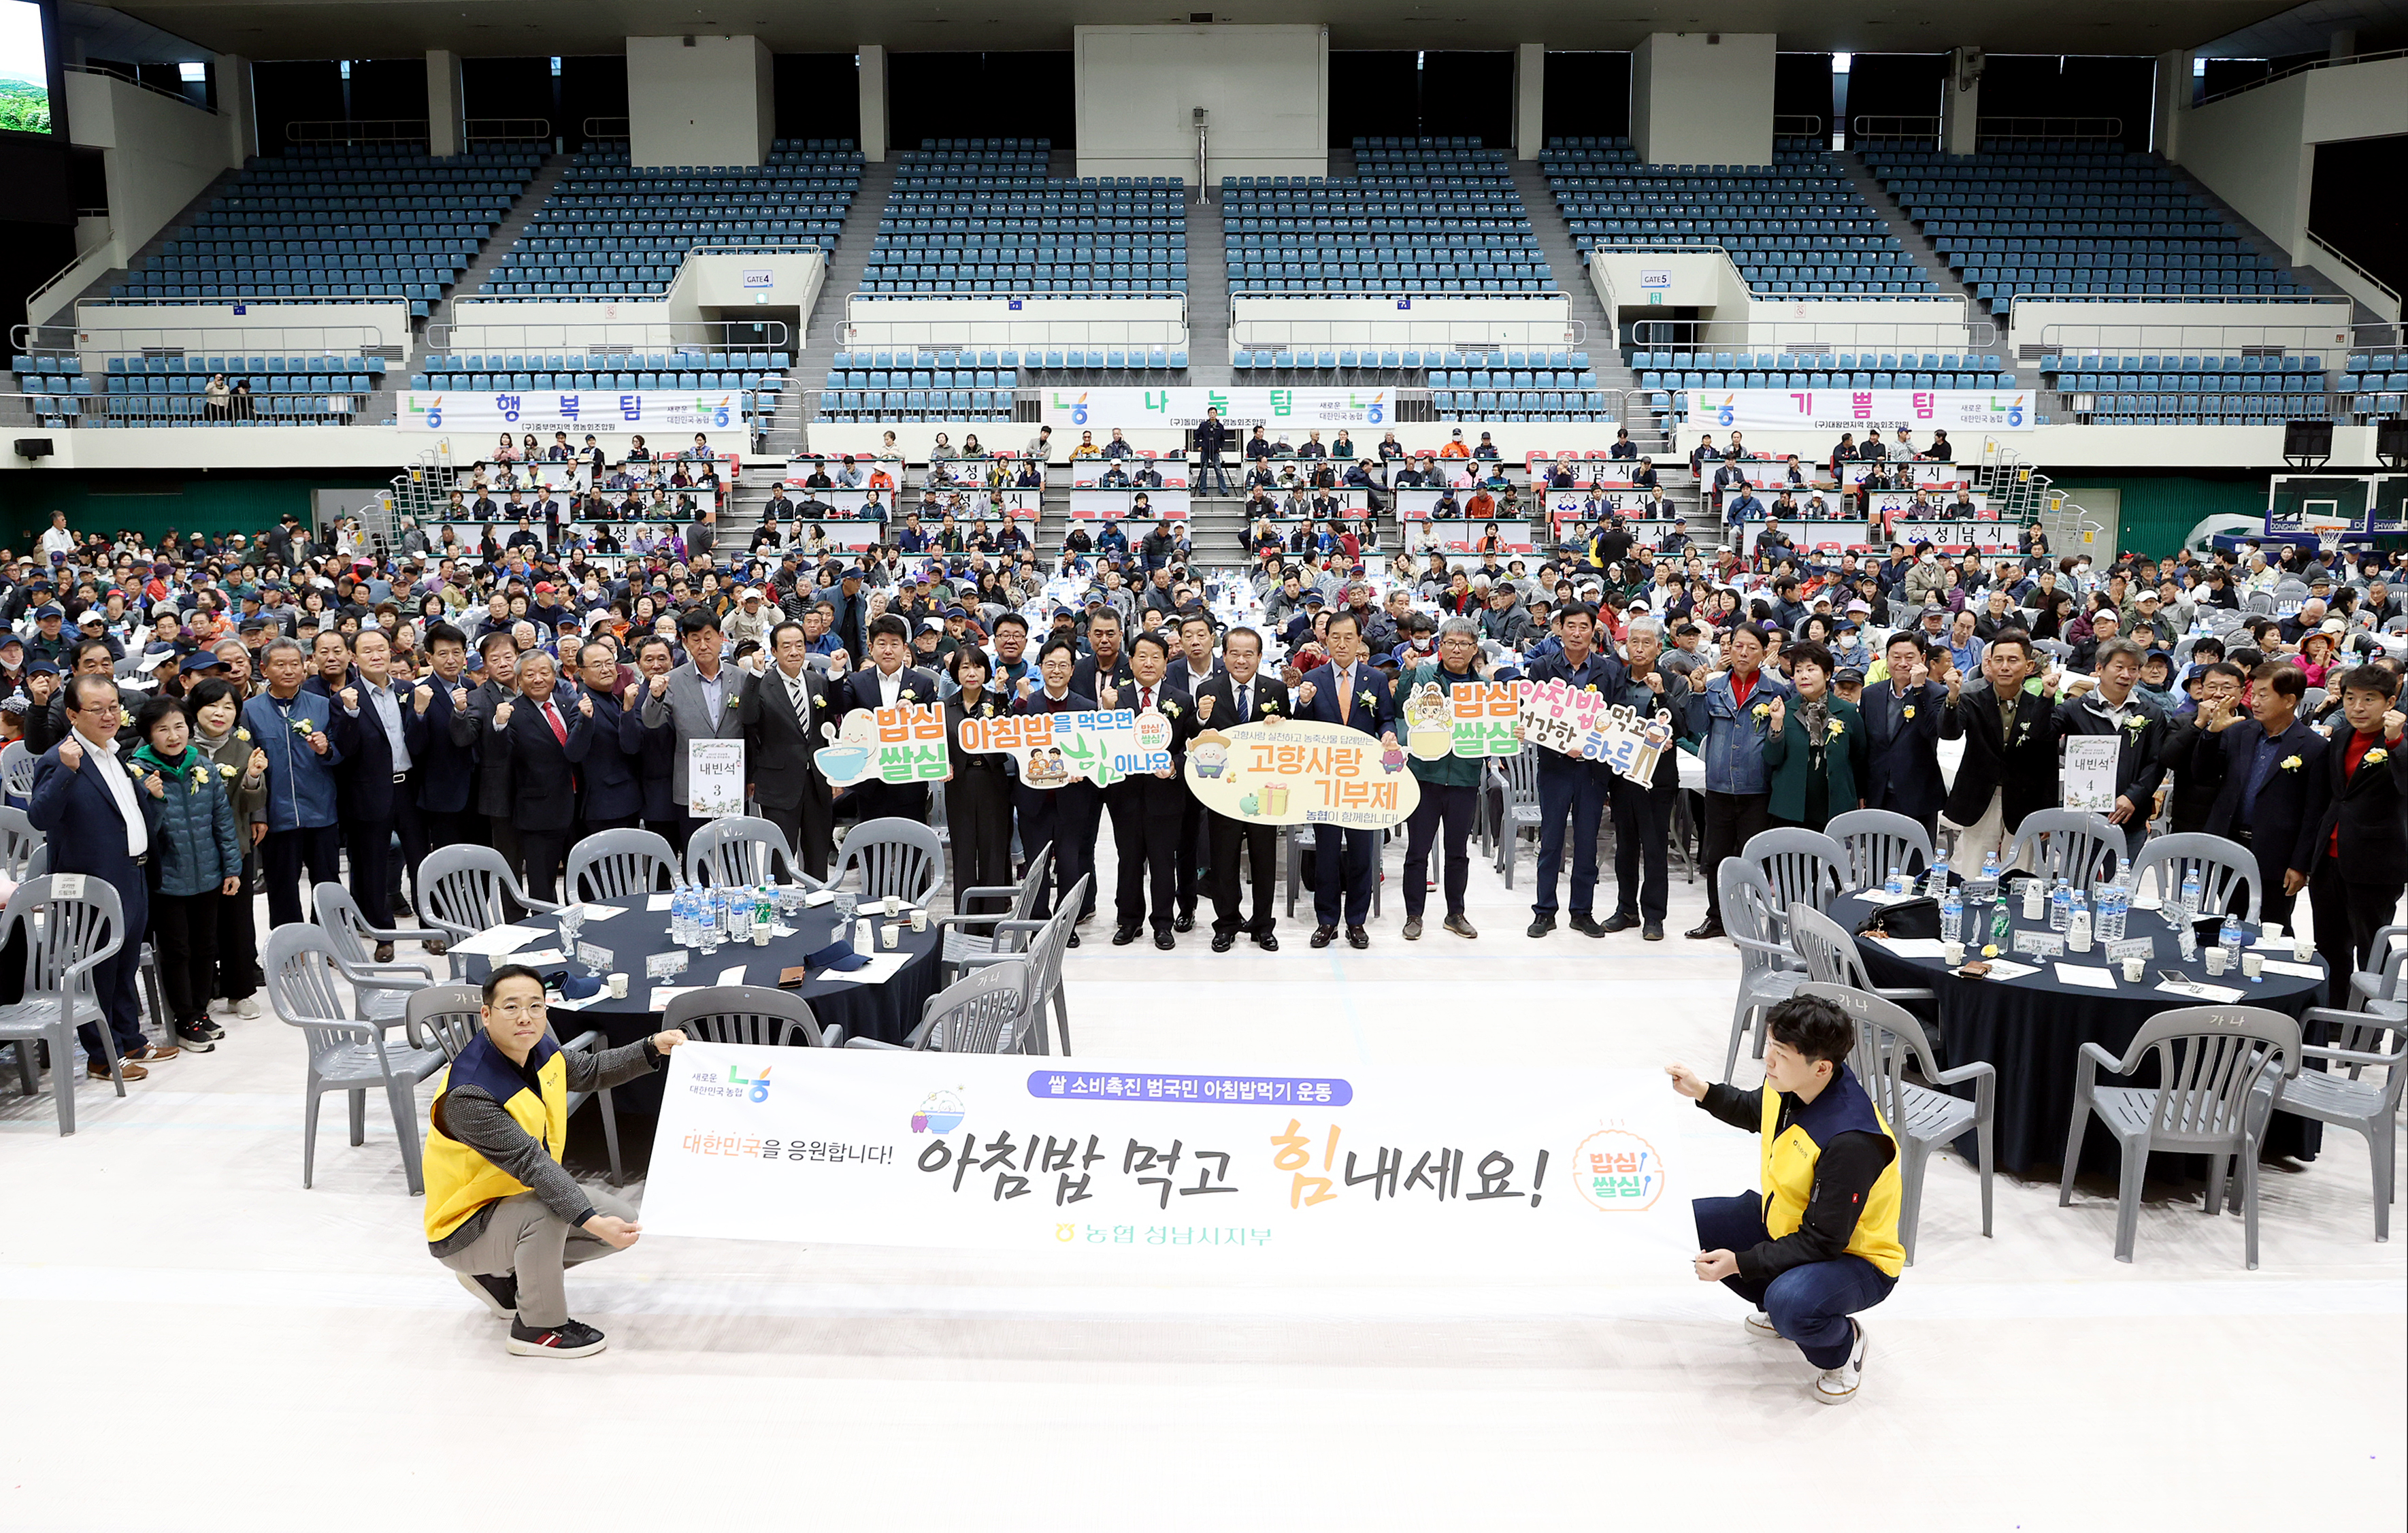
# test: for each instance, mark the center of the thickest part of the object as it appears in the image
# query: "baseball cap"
(42, 665)
(956, 611)
(52, 609)
(92, 616)
(1314, 598)
(543, 588)
(932, 625)
(201, 660)
(1847, 676)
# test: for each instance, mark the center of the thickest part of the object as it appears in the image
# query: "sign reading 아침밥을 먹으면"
(1051, 750)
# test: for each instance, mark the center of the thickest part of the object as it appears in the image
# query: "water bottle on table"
(2060, 906)
(2232, 939)
(2190, 894)
(1951, 916)
(1986, 886)
(1938, 879)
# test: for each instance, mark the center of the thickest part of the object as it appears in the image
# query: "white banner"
(700, 409)
(1580, 1171)
(1991, 410)
(1296, 411)
(714, 778)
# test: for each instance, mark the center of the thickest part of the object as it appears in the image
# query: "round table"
(886, 1011)
(2033, 1028)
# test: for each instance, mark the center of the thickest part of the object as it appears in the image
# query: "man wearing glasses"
(501, 1212)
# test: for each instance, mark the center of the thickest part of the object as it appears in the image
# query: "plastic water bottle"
(2191, 894)
(1936, 881)
(711, 917)
(1951, 916)
(2232, 939)
(1898, 881)
(2060, 906)
(2077, 920)
(1986, 887)
(2003, 930)
(681, 916)
(2111, 914)
(740, 916)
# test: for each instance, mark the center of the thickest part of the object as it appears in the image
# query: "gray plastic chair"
(1516, 782)
(962, 938)
(17, 766)
(1798, 865)
(902, 858)
(1047, 941)
(1877, 840)
(1889, 1042)
(984, 1013)
(2221, 866)
(466, 889)
(344, 1055)
(628, 863)
(19, 841)
(66, 939)
(379, 991)
(2343, 1097)
(2073, 844)
(749, 1014)
(449, 1018)
(741, 851)
(2212, 1060)
(1769, 971)
(2381, 990)
(1832, 959)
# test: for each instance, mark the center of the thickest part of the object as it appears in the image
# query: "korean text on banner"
(701, 409)
(1053, 749)
(1240, 408)
(1301, 774)
(1579, 1170)
(1991, 410)
(714, 778)
(2089, 772)
(899, 745)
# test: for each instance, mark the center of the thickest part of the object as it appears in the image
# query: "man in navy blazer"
(1347, 691)
(612, 776)
(101, 824)
(1903, 723)
(372, 783)
(653, 746)
(2275, 784)
(889, 679)
(447, 770)
(543, 734)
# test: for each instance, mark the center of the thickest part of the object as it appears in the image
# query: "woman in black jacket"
(978, 787)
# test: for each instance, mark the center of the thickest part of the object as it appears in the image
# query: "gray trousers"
(526, 1241)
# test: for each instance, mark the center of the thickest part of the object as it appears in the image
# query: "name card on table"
(714, 773)
(2047, 944)
(665, 966)
(2138, 946)
(593, 957)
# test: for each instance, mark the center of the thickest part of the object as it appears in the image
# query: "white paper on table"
(2303, 971)
(658, 902)
(1913, 947)
(2007, 968)
(495, 941)
(2213, 994)
(537, 957)
(562, 1003)
(664, 994)
(2085, 974)
(879, 969)
(596, 912)
(1882, 896)
(2147, 902)
(820, 896)
(732, 974)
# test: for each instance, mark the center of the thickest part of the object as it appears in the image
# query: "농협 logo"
(940, 1113)
(755, 1088)
(1618, 1172)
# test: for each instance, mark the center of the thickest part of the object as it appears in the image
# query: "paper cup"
(760, 934)
(1952, 954)
(2032, 902)
(889, 934)
(618, 987)
(2214, 957)
(2134, 969)
(894, 905)
(2253, 965)
(2301, 950)
(2075, 942)
(2270, 930)
(919, 921)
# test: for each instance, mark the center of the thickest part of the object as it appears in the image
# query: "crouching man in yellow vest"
(1821, 1241)
(501, 1213)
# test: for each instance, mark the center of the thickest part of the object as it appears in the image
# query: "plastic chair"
(740, 851)
(1831, 956)
(749, 1014)
(71, 939)
(1889, 1042)
(19, 841)
(2345, 1098)
(1047, 941)
(2073, 844)
(465, 889)
(344, 1055)
(379, 991)
(1797, 864)
(17, 766)
(448, 1017)
(1875, 841)
(961, 943)
(627, 864)
(1518, 787)
(2220, 864)
(2212, 1060)
(984, 1013)
(895, 857)
(1769, 971)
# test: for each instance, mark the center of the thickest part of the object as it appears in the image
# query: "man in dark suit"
(373, 787)
(655, 746)
(612, 770)
(1063, 818)
(2273, 785)
(1148, 810)
(783, 711)
(1107, 665)
(2362, 851)
(1570, 786)
(1642, 812)
(2010, 763)
(472, 729)
(887, 681)
(447, 771)
(1238, 694)
(1902, 731)
(1347, 691)
(2111, 706)
(101, 824)
(542, 735)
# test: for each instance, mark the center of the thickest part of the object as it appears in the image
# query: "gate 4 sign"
(905, 743)
(1054, 749)
(1301, 774)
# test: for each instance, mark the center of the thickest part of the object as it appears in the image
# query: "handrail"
(757, 247)
(137, 82)
(1979, 334)
(82, 255)
(127, 340)
(2082, 129)
(603, 127)
(1787, 126)
(1439, 301)
(2241, 300)
(443, 335)
(1652, 247)
(2299, 69)
(414, 130)
(1892, 128)
(2329, 248)
(2139, 336)
(505, 130)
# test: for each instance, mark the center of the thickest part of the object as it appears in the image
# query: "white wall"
(2204, 325)
(1434, 319)
(1266, 90)
(2256, 150)
(266, 330)
(1698, 103)
(159, 153)
(877, 319)
(708, 105)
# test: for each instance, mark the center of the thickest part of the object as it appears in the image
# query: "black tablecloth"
(2033, 1028)
(887, 1012)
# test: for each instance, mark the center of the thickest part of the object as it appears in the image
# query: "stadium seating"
(948, 385)
(1504, 385)
(578, 372)
(1820, 370)
(1420, 215)
(980, 215)
(611, 230)
(329, 223)
(2191, 389)
(1796, 226)
(168, 391)
(2375, 384)
(2036, 216)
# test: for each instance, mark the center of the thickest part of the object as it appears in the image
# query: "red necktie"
(1145, 699)
(551, 716)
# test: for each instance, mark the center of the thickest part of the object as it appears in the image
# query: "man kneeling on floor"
(1821, 1241)
(501, 1213)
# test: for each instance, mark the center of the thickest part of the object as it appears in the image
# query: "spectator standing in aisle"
(303, 738)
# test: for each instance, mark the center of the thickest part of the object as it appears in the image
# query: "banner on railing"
(1581, 1170)
(1991, 410)
(700, 409)
(1241, 409)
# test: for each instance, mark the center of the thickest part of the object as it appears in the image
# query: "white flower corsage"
(1762, 711)
(1838, 728)
(2376, 757)
(243, 735)
(2291, 764)
(1171, 709)
(1363, 697)
(225, 769)
(301, 726)
(1908, 712)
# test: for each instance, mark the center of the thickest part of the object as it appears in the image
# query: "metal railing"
(604, 127)
(2299, 69)
(1778, 335)
(764, 247)
(1092, 331)
(83, 254)
(1475, 334)
(1928, 128)
(2326, 246)
(1801, 127)
(608, 338)
(348, 340)
(2139, 337)
(415, 130)
(137, 83)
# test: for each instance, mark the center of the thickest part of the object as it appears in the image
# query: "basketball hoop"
(2329, 531)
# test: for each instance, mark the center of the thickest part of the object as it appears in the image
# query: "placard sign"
(2047, 944)
(905, 743)
(1288, 773)
(594, 956)
(712, 410)
(665, 966)
(714, 778)
(1471, 718)
(1056, 749)
(1579, 722)
(1223, 1169)
(2089, 772)
(2138, 946)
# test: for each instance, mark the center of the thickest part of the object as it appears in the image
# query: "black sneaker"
(1542, 925)
(193, 1038)
(208, 1025)
(569, 1339)
(1586, 926)
(499, 1295)
(1620, 921)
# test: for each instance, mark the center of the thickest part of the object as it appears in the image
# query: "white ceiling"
(305, 28)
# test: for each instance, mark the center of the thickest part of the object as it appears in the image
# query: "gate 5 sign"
(1230, 1167)
(1301, 774)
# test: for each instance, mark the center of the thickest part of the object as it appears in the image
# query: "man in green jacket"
(1450, 784)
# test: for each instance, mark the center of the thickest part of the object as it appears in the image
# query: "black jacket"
(542, 769)
(2022, 769)
(781, 750)
(2290, 806)
(1903, 760)
(2368, 812)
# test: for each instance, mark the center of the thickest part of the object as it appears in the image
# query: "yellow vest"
(1789, 1155)
(459, 1179)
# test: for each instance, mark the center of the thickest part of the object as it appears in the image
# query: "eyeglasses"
(519, 1011)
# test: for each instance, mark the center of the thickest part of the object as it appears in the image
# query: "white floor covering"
(195, 1342)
